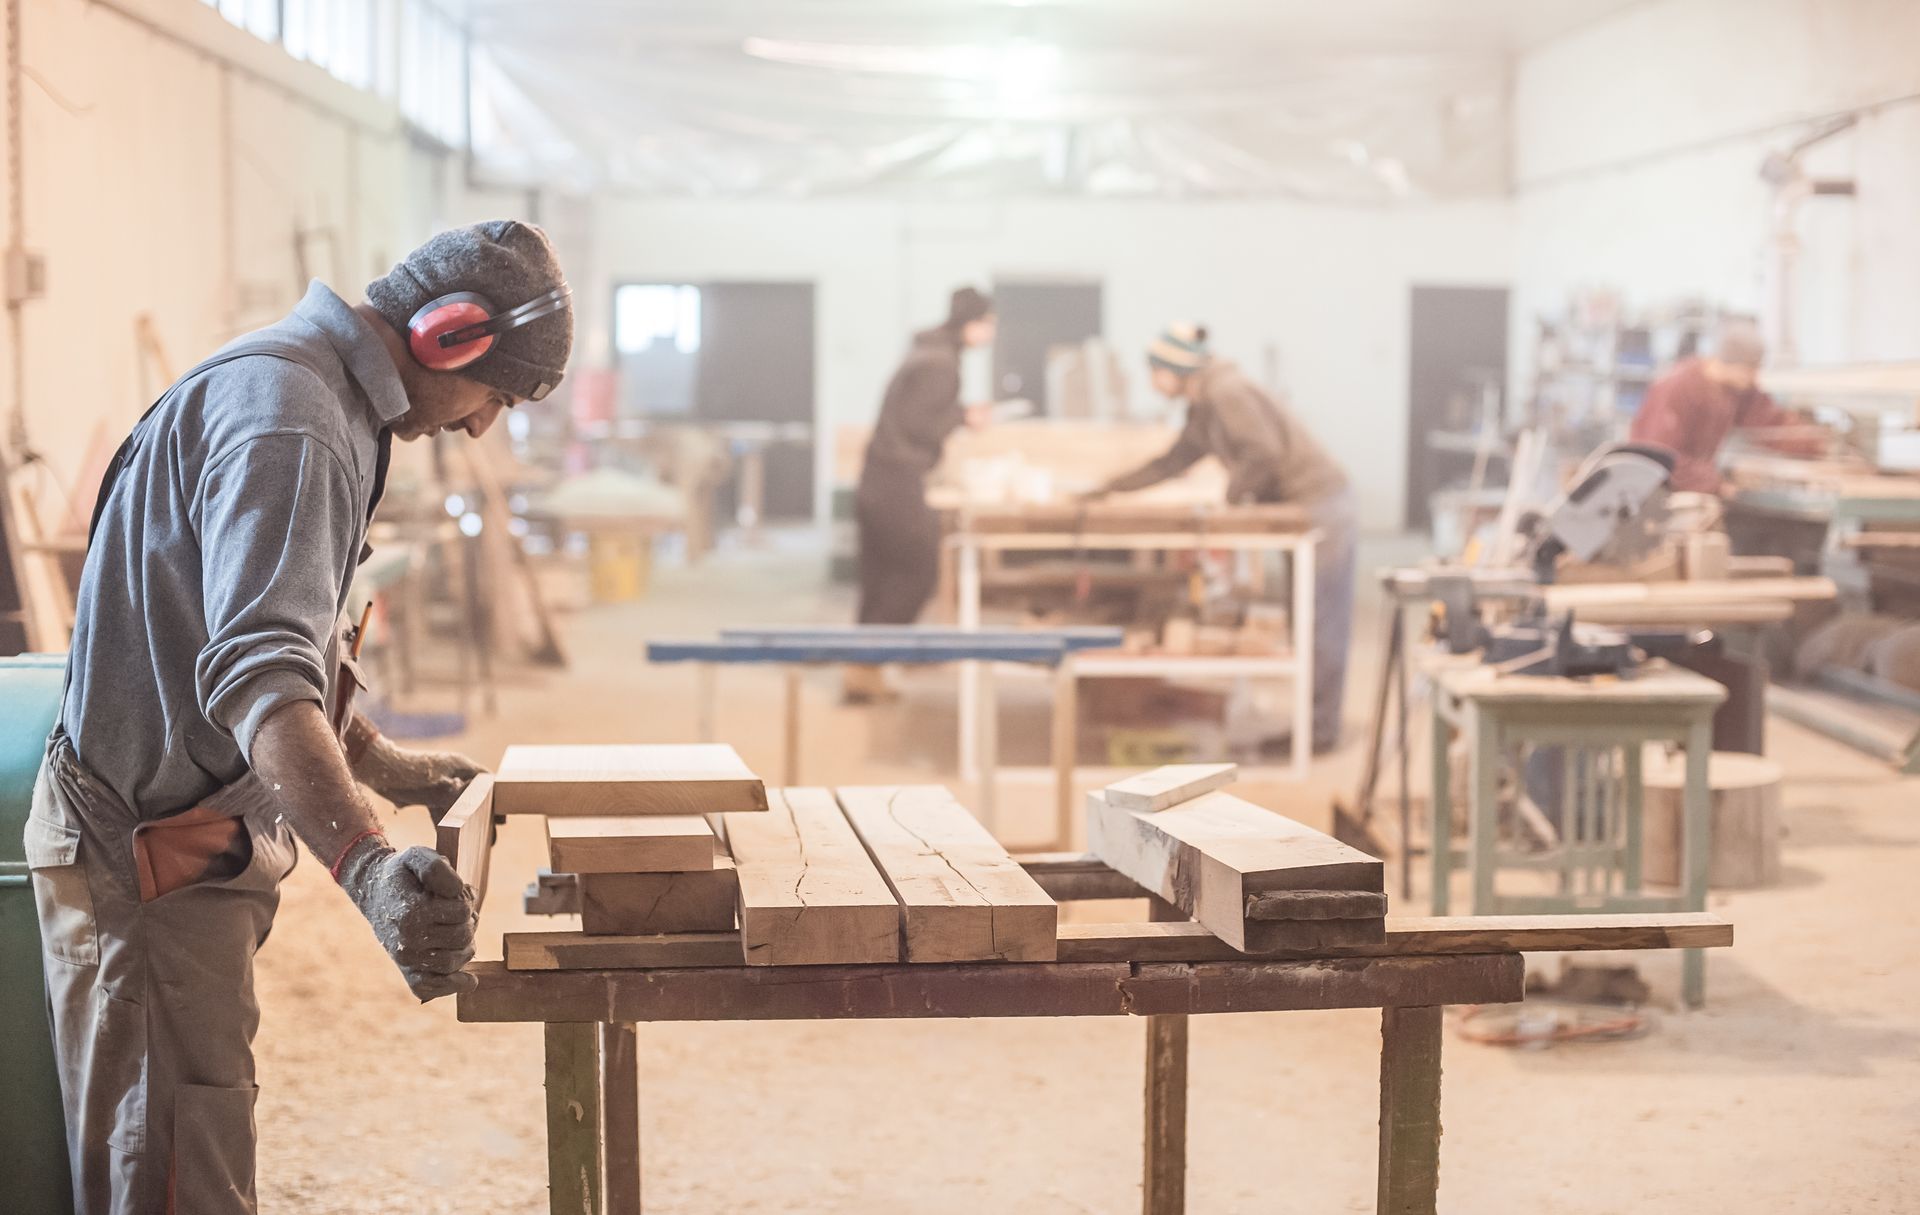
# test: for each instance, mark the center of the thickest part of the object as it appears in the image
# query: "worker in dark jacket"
(899, 532)
(1270, 457)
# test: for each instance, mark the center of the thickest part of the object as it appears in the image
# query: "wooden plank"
(585, 951)
(985, 989)
(700, 900)
(962, 898)
(1208, 855)
(464, 835)
(809, 894)
(704, 778)
(1435, 936)
(1563, 596)
(1169, 785)
(1316, 905)
(1409, 1177)
(574, 1145)
(668, 843)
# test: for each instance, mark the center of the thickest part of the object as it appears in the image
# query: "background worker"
(1270, 457)
(1693, 408)
(208, 721)
(899, 533)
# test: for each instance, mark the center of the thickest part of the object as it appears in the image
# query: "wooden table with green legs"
(1593, 730)
(1165, 972)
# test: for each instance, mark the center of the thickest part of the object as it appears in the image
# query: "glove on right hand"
(420, 910)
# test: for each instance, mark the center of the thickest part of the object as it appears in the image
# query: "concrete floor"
(1796, 1090)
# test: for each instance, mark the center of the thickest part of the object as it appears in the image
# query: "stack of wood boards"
(1260, 882)
(631, 822)
(810, 877)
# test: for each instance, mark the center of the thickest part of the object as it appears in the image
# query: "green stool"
(1598, 727)
(33, 1167)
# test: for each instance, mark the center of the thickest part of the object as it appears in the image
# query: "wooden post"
(574, 1145)
(1305, 647)
(1164, 1180)
(792, 769)
(1409, 1110)
(1440, 806)
(1695, 848)
(620, 1092)
(1066, 737)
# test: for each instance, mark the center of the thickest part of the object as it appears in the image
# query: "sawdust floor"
(1796, 1090)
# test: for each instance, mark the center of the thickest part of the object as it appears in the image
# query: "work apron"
(148, 933)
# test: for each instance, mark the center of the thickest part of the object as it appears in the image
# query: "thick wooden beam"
(704, 778)
(986, 989)
(1207, 855)
(464, 835)
(700, 900)
(809, 894)
(962, 898)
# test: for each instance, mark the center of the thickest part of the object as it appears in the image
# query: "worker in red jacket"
(1693, 408)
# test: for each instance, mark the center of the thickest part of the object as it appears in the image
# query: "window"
(259, 17)
(337, 35)
(433, 72)
(644, 314)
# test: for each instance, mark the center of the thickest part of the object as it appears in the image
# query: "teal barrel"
(33, 1166)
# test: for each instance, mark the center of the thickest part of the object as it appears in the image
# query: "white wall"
(168, 177)
(1328, 286)
(1638, 144)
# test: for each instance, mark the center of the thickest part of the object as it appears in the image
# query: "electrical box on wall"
(26, 272)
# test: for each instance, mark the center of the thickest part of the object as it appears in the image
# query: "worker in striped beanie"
(1270, 456)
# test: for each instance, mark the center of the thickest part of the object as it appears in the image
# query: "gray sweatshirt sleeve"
(275, 520)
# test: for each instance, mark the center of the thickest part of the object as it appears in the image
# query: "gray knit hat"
(509, 263)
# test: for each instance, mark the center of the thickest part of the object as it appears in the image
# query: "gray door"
(1457, 351)
(1036, 316)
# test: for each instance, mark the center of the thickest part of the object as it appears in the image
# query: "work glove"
(434, 779)
(420, 910)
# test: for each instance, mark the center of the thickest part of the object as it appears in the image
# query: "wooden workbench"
(1164, 971)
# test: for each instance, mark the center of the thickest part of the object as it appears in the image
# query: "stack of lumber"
(632, 823)
(1259, 882)
(681, 857)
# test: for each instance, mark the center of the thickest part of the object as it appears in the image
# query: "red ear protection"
(444, 318)
(457, 330)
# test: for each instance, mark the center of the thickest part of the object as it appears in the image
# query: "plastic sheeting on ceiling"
(1369, 101)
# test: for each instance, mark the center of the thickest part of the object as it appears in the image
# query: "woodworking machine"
(1615, 511)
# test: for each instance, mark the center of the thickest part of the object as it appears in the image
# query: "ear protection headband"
(458, 330)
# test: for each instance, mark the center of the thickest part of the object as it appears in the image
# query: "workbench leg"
(1440, 810)
(1696, 846)
(1305, 649)
(967, 609)
(574, 1145)
(989, 748)
(791, 770)
(1163, 1189)
(1409, 1110)
(1483, 809)
(620, 1093)
(708, 696)
(1066, 739)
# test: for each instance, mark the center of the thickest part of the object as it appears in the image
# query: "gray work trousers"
(152, 1003)
(1333, 572)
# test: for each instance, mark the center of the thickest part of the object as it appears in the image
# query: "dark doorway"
(1457, 377)
(1035, 316)
(722, 353)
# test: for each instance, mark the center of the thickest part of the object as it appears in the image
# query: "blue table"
(798, 646)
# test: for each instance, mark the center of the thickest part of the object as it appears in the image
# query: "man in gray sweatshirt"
(208, 716)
